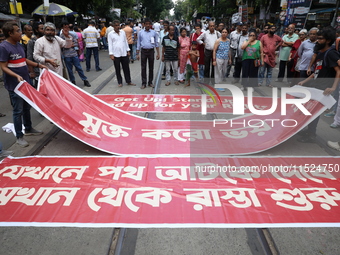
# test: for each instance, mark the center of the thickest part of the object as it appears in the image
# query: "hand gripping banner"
(149, 192)
(111, 130)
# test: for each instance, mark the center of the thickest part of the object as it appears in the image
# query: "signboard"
(107, 129)
(297, 13)
(139, 192)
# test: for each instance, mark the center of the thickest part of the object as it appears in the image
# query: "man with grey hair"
(208, 39)
(306, 51)
(47, 49)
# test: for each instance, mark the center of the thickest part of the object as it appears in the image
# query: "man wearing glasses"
(326, 76)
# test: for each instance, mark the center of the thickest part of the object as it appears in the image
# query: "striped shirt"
(14, 55)
(91, 34)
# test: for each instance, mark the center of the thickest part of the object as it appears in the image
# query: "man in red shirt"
(270, 43)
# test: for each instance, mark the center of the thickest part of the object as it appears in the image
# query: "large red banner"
(112, 130)
(170, 192)
(178, 103)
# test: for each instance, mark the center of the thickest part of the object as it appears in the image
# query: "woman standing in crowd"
(80, 43)
(184, 42)
(221, 56)
(251, 60)
(294, 56)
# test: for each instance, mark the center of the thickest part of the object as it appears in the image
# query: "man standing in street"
(239, 53)
(326, 76)
(47, 49)
(147, 41)
(91, 35)
(71, 56)
(128, 29)
(14, 65)
(270, 43)
(234, 36)
(306, 52)
(288, 41)
(208, 39)
(119, 52)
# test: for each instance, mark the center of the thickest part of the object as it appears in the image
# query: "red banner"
(109, 129)
(178, 103)
(170, 192)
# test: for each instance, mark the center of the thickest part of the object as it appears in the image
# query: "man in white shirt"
(47, 49)
(157, 27)
(234, 36)
(91, 35)
(119, 52)
(208, 39)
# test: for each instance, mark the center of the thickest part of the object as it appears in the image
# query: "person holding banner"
(47, 49)
(14, 65)
(326, 76)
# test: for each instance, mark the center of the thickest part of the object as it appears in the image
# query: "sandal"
(167, 84)
(270, 86)
(120, 85)
(187, 85)
(176, 83)
(131, 84)
(2, 115)
(181, 81)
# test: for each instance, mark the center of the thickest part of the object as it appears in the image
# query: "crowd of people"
(207, 54)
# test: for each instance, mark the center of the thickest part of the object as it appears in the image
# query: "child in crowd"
(194, 55)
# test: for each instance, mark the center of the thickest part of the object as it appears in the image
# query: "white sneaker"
(334, 145)
(4, 153)
(22, 142)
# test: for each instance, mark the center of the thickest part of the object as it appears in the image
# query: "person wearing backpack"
(326, 76)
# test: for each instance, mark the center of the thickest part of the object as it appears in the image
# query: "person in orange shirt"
(103, 36)
(128, 29)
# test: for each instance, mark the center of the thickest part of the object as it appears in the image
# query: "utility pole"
(335, 13)
(16, 11)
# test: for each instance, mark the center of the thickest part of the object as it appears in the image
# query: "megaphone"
(203, 19)
(213, 19)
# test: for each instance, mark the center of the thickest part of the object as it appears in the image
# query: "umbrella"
(53, 10)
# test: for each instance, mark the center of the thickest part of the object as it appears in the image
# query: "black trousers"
(237, 68)
(208, 54)
(249, 73)
(233, 54)
(147, 56)
(124, 61)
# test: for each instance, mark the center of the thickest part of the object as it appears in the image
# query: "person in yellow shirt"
(28, 32)
(103, 36)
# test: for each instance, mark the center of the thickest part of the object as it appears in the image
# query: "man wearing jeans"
(270, 43)
(71, 56)
(14, 65)
(91, 35)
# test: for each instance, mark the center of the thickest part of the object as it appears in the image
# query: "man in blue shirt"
(146, 42)
(14, 65)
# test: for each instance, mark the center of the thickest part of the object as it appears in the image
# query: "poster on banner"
(178, 103)
(76, 112)
(170, 192)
